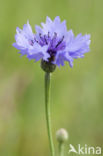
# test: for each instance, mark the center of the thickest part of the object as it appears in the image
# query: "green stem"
(61, 148)
(47, 111)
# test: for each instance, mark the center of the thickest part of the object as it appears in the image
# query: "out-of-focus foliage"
(77, 93)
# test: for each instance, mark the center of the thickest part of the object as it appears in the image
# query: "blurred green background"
(76, 94)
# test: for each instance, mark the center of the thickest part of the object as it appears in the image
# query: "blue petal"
(77, 46)
(38, 52)
(61, 57)
(23, 38)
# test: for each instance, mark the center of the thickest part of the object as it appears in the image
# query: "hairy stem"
(47, 111)
(61, 148)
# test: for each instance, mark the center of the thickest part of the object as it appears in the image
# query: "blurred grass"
(77, 94)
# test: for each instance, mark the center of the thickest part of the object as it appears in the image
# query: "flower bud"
(62, 135)
(48, 66)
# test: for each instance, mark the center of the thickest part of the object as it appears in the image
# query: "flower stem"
(47, 111)
(61, 148)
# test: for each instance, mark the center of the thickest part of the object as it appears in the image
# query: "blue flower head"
(52, 43)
